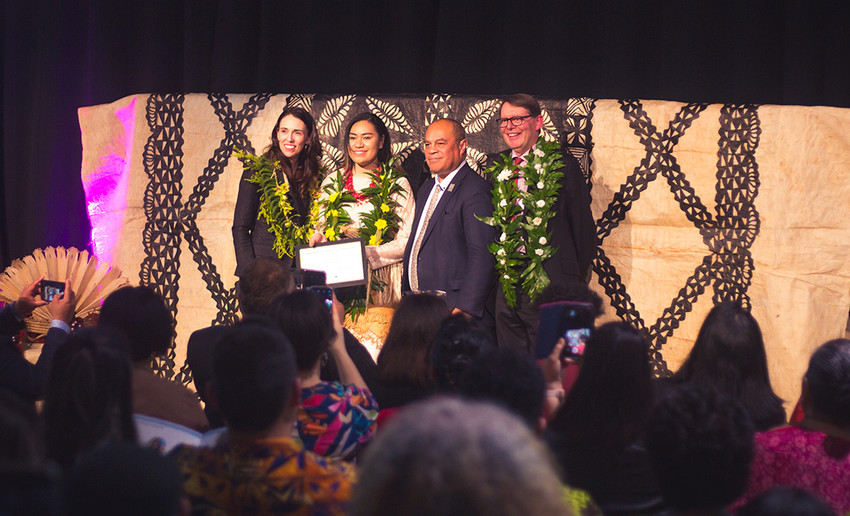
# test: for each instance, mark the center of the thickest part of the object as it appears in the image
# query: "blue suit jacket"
(453, 256)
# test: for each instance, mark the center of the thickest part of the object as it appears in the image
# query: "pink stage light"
(106, 188)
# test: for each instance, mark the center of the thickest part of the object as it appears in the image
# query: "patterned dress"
(797, 457)
(336, 420)
(266, 476)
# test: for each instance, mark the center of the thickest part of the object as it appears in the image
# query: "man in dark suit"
(572, 228)
(447, 249)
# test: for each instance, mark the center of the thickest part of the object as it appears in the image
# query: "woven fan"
(91, 282)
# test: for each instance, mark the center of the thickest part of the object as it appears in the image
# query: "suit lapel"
(444, 200)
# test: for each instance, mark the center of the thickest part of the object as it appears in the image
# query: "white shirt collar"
(444, 183)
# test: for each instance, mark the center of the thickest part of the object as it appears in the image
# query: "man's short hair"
(141, 313)
(457, 129)
(701, 444)
(263, 280)
(524, 100)
(253, 375)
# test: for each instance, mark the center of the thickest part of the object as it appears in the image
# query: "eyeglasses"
(515, 121)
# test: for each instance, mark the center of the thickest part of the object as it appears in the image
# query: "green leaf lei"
(275, 207)
(333, 207)
(381, 222)
(524, 227)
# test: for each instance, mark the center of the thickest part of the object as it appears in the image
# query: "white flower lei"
(524, 228)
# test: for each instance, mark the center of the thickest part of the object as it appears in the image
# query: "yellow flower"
(333, 197)
(282, 189)
(380, 224)
(333, 213)
(374, 240)
(385, 208)
(330, 234)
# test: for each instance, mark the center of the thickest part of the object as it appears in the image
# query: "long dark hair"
(303, 317)
(384, 152)
(304, 173)
(609, 404)
(406, 354)
(829, 391)
(728, 355)
(89, 396)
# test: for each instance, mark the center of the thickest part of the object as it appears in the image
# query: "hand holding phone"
(572, 321)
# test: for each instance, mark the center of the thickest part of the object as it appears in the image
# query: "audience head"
(141, 314)
(382, 141)
(263, 280)
(124, 479)
(729, 356)
(21, 439)
(447, 457)
(575, 292)
(509, 378)
(826, 388)
(89, 398)
(305, 320)
(254, 377)
(406, 353)
(457, 343)
(701, 444)
(786, 501)
(613, 394)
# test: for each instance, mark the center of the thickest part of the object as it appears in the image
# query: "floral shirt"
(266, 476)
(797, 457)
(336, 420)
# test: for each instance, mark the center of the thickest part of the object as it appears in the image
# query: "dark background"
(58, 56)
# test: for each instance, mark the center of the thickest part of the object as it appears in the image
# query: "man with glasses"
(447, 250)
(571, 227)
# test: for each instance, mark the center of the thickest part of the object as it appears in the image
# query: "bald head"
(445, 146)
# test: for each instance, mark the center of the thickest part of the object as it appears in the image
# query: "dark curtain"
(60, 55)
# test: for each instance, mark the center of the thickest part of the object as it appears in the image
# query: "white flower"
(501, 252)
(537, 221)
(542, 240)
(540, 185)
(538, 167)
(538, 152)
(506, 277)
(504, 175)
(503, 203)
(538, 252)
(503, 237)
(541, 203)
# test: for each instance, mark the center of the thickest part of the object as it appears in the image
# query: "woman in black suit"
(296, 147)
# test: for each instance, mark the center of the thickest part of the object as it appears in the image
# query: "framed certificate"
(344, 261)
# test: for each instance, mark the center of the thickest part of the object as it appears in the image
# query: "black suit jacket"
(251, 237)
(17, 374)
(453, 256)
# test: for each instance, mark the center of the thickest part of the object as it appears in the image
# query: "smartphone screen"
(571, 320)
(51, 289)
(326, 293)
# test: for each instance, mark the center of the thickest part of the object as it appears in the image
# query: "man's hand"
(30, 299)
(62, 307)
(553, 366)
(459, 311)
(316, 238)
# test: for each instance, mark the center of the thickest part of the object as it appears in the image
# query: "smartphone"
(571, 320)
(304, 278)
(326, 293)
(49, 289)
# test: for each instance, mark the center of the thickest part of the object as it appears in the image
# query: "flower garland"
(381, 222)
(333, 207)
(275, 206)
(522, 218)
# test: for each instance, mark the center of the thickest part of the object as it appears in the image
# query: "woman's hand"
(316, 238)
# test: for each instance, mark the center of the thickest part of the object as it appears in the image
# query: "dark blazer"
(17, 374)
(454, 255)
(572, 226)
(251, 236)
